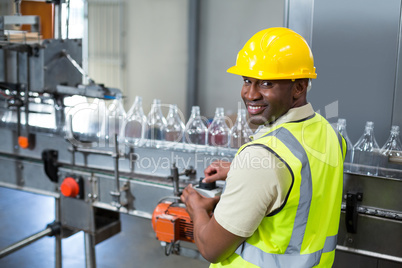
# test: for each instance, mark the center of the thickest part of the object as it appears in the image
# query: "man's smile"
(255, 109)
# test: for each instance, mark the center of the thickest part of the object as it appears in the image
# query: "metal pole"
(193, 54)
(116, 169)
(85, 42)
(286, 14)
(116, 194)
(57, 20)
(90, 259)
(25, 242)
(58, 250)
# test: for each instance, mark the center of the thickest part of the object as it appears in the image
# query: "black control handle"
(50, 158)
(207, 185)
(352, 200)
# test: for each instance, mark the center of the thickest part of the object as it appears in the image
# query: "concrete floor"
(23, 214)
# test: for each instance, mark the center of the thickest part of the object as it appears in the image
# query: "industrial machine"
(93, 179)
(172, 223)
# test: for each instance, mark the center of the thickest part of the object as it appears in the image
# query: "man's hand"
(196, 202)
(218, 170)
(213, 241)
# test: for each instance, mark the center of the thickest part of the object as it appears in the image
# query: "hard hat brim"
(261, 75)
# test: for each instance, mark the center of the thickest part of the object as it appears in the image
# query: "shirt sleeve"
(257, 183)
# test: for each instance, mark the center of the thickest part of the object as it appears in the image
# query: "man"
(283, 193)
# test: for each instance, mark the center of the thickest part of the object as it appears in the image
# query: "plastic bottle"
(115, 118)
(85, 123)
(366, 152)
(240, 132)
(391, 148)
(195, 131)
(175, 127)
(156, 123)
(135, 125)
(349, 151)
(218, 131)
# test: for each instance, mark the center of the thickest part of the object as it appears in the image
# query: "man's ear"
(300, 88)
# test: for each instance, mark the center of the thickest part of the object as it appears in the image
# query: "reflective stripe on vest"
(340, 138)
(292, 256)
(260, 258)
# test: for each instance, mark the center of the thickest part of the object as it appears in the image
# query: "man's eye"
(266, 83)
(246, 81)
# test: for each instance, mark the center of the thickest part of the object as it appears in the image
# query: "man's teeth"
(255, 107)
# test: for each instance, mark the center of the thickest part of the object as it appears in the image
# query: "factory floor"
(23, 214)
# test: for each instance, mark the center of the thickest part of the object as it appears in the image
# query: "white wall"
(157, 51)
(226, 25)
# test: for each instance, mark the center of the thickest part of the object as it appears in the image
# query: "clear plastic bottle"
(135, 124)
(366, 152)
(195, 131)
(175, 127)
(240, 132)
(218, 131)
(83, 125)
(391, 148)
(156, 124)
(349, 151)
(116, 115)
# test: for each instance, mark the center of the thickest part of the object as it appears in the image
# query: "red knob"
(23, 142)
(69, 187)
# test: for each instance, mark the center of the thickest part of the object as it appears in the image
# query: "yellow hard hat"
(273, 54)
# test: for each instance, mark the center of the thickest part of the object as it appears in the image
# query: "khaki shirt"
(257, 182)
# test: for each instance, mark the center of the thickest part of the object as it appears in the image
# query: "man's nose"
(252, 92)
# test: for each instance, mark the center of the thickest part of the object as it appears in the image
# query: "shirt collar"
(294, 114)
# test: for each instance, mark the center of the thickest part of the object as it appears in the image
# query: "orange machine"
(172, 223)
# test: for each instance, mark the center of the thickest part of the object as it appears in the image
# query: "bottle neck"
(219, 114)
(368, 131)
(394, 135)
(195, 114)
(156, 109)
(241, 117)
(172, 111)
(137, 108)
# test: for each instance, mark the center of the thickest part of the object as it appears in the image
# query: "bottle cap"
(342, 122)
(395, 129)
(369, 126)
(195, 110)
(219, 112)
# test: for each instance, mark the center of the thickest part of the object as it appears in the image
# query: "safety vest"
(303, 231)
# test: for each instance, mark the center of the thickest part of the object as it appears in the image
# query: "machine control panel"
(208, 189)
